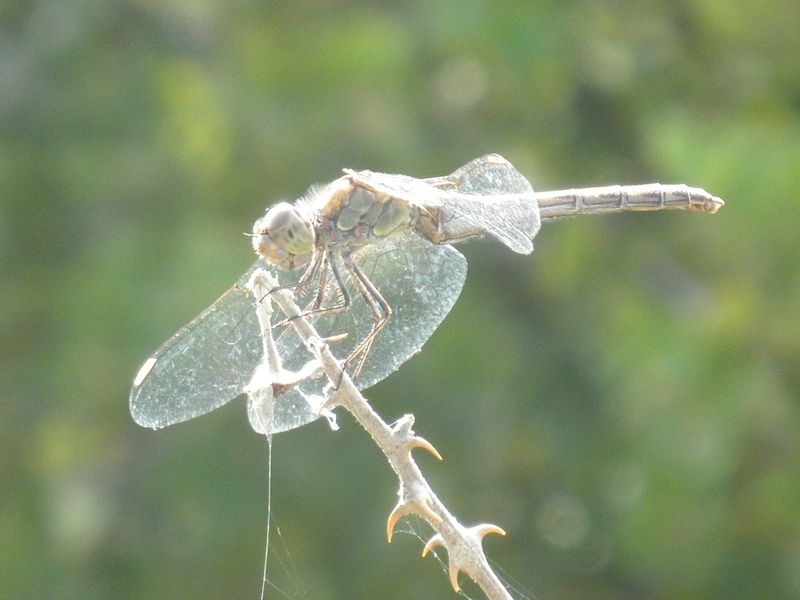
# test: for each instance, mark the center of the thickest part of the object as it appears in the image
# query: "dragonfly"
(370, 258)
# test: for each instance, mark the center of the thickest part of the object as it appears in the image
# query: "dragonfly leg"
(381, 313)
(296, 286)
(317, 309)
(323, 283)
(325, 267)
(309, 274)
(321, 267)
(313, 309)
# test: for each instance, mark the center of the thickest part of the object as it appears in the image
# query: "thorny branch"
(415, 496)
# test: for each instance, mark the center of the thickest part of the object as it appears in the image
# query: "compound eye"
(288, 229)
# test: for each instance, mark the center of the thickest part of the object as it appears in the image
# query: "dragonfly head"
(284, 237)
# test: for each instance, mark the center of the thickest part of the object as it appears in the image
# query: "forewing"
(203, 366)
(210, 361)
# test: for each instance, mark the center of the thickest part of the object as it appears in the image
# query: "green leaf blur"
(625, 402)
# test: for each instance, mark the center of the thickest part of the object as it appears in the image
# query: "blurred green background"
(625, 402)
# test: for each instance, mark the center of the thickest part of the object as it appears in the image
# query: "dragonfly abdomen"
(360, 216)
(616, 198)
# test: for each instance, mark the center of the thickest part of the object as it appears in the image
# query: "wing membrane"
(485, 196)
(209, 361)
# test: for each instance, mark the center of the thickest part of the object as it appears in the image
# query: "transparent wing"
(485, 196)
(204, 365)
(208, 362)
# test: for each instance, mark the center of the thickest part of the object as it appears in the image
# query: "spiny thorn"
(329, 402)
(398, 512)
(419, 442)
(405, 507)
(402, 427)
(436, 540)
(427, 512)
(454, 570)
(487, 528)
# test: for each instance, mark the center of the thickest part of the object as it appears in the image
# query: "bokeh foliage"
(624, 401)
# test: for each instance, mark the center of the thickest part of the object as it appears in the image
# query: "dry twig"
(415, 496)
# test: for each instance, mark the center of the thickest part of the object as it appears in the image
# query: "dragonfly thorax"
(284, 237)
(352, 215)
